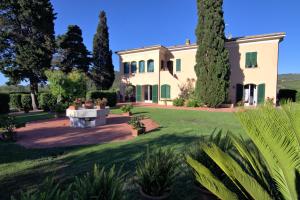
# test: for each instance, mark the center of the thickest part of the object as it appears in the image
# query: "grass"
(25, 168)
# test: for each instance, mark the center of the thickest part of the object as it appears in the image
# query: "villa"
(157, 72)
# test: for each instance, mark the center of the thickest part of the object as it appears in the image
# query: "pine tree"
(71, 52)
(212, 59)
(27, 41)
(102, 72)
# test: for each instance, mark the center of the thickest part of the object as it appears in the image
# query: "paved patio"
(57, 133)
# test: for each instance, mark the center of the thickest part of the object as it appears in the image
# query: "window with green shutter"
(165, 91)
(141, 66)
(178, 65)
(126, 68)
(251, 59)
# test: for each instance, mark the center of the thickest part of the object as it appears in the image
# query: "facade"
(157, 72)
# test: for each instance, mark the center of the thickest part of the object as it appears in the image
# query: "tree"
(102, 72)
(71, 52)
(27, 41)
(67, 87)
(212, 59)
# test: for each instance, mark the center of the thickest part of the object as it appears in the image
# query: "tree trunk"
(33, 93)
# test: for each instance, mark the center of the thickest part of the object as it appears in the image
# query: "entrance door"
(148, 93)
(250, 95)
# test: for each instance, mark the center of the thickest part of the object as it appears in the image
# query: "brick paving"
(57, 133)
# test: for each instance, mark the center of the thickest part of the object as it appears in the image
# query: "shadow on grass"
(82, 159)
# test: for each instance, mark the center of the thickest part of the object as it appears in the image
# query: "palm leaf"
(209, 181)
(234, 171)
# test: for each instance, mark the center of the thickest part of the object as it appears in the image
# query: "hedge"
(15, 101)
(47, 101)
(287, 94)
(26, 102)
(4, 103)
(110, 96)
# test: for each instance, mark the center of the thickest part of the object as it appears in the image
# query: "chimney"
(187, 42)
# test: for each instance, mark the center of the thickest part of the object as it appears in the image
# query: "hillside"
(289, 81)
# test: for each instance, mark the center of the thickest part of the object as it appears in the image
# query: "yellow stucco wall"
(266, 71)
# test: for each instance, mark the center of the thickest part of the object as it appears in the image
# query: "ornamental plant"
(8, 124)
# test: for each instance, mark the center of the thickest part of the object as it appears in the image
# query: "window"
(178, 65)
(141, 66)
(251, 59)
(150, 66)
(133, 67)
(126, 68)
(165, 91)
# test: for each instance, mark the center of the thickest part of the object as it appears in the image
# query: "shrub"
(192, 103)
(8, 124)
(298, 97)
(178, 102)
(60, 108)
(4, 103)
(15, 101)
(287, 94)
(110, 96)
(126, 108)
(47, 101)
(99, 185)
(136, 123)
(26, 102)
(156, 173)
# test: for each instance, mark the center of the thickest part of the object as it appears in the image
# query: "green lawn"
(20, 167)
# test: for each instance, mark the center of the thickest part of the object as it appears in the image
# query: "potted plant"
(75, 105)
(101, 103)
(8, 124)
(137, 125)
(156, 174)
(126, 109)
(89, 104)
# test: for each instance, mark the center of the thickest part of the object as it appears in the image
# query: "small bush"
(4, 103)
(47, 101)
(8, 124)
(26, 102)
(15, 101)
(60, 108)
(99, 185)
(136, 123)
(192, 103)
(156, 173)
(109, 95)
(178, 102)
(126, 108)
(287, 94)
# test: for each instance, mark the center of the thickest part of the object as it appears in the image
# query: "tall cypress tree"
(27, 41)
(102, 72)
(212, 59)
(71, 52)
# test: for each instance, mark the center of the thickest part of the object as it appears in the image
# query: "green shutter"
(239, 92)
(138, 93)
(163, 91)
(168, 91)
(254, 59)
(261, 93)
(178, 65)
(155, 93)
(248, 60)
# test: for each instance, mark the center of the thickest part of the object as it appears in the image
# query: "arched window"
(165, 91)
(141, 66)
(126, 68)
(133, 67)
(150, 66)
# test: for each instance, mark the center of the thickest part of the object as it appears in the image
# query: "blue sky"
(137, 23)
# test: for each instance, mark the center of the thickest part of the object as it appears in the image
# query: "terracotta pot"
(137, 132)
(148, 197)
(73, 107)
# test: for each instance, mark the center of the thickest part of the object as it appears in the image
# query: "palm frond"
(234, 171)
(209, 181)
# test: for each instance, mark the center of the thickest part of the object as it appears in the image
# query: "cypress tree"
(27, 41)
(72, 53)
(102, 72)
(212, 59)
